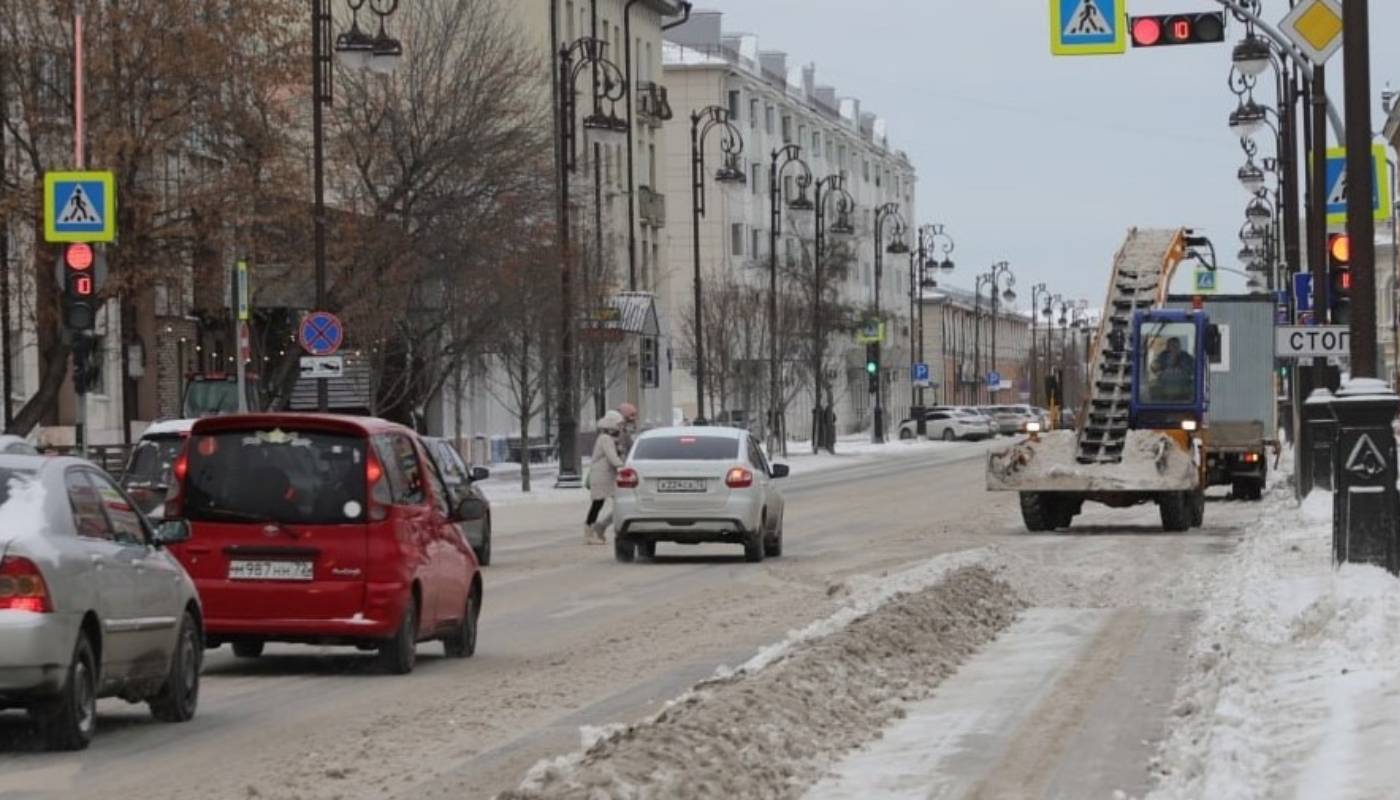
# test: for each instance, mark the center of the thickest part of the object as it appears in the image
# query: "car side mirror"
(480, 474)
(780, 471)
(172, 531)
(470, 509)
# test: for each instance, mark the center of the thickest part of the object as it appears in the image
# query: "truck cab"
(1171, 367)
(209, 394)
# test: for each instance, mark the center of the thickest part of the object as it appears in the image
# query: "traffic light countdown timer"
(1165, 30)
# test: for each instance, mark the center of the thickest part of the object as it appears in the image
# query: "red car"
(322, 529)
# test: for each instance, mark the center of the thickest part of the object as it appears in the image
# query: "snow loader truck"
(1136, 440)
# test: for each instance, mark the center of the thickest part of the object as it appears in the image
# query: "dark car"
(149, 468)
(462, 481)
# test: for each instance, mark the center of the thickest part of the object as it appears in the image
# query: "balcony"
(653, 105)
(651, 207)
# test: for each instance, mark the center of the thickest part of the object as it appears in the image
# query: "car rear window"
(291, 476)
(152, 459)
(686, 448)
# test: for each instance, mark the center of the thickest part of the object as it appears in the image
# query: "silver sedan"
(91, 604)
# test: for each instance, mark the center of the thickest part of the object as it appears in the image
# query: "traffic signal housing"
(872, 366)
(1339, 277)
(79, 287)
(1165, 30)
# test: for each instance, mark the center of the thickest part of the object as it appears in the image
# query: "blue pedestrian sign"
(994, 380)
(80, 207)
(921, 373)
(1088, 27)
(321, 333)
(1302, 292)
(1337, 184)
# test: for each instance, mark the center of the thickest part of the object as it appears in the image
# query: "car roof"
(169, 426)
(695, 430)
(342, 423)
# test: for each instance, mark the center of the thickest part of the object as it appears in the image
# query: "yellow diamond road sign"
(1316, 27)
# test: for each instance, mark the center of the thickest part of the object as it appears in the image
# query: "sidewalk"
(503, 488)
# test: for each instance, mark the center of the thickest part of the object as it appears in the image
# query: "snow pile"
(1294, 684)
(22, 511)
(768, 729)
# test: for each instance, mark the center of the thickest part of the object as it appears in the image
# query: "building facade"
(964, 344)
(773, 104)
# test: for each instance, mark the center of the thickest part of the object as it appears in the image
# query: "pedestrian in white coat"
(602, 477)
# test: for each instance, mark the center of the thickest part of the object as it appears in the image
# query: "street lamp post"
(355, 48)
(731, 145)
(824, 189)
(930, 236)
(1037, 291)
(999, 270)
(782, 158)
(884, 213)
(585, 54)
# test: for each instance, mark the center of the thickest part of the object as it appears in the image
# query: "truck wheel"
(1176, 511)
(1198, 508)
(1036, 512)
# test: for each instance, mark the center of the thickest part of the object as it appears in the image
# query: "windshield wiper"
(241, 516)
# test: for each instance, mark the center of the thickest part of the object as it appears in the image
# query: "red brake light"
(628, 479)
(373, 471)
(182, 467)
(738, 478)
(22, 587)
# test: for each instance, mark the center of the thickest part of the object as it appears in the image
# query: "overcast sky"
(1041, 161)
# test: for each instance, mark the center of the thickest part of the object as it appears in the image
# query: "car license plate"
(676, 485)
(269, 570)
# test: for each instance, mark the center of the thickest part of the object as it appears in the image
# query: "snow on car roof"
(694, 430)
(169, 426)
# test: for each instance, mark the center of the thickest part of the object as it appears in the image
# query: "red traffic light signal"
(78, 256)
(1339, 249)
(1160, 30)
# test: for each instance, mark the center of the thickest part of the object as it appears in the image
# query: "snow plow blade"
(1152, 462)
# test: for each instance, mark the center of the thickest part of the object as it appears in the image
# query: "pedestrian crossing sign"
(1337, 184)
(1205, 282)
(80, 207)
(1088, 27)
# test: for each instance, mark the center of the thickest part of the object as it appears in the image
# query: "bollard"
(1319, 438)
(1365, 506)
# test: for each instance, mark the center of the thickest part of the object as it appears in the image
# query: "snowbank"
(1294, 685)
(767, 729)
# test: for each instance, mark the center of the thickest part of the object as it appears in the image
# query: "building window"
(865, 169)
(768, 120)
(753, 113)
(736, 236)
(734, 105)
(756, 242)
(787, 129)
(816, 143)
(757, 179)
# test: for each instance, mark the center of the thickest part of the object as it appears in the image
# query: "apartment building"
(963, 344)
(774, 103)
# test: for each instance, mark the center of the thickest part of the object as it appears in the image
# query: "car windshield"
(206, 398)
(686, 448)
(1168, 365)
(276, 475)
(152, 459)
(453, 470)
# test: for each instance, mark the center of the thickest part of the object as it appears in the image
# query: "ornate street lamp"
(782, 158)
(731, 144)
(825, 189)
(883, 214)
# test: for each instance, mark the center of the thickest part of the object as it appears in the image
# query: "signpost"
(1315, 26)
(921, 378)
(322, 367)
(80, 207)
(1312, 341)
(239, 298)
(871, 332)
(321, 333)
(1337, 185)
(1302, 292)
(993, 381)
(1088, 27)
(1205, 282)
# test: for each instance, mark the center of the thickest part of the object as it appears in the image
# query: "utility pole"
(1364, 525)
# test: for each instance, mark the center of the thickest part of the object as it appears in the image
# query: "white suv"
(694, 485)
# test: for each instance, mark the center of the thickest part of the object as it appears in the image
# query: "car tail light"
(380, 497)
(174, 496)
(628, 479)
(22, 587)
(738, 478)
(1251, 458)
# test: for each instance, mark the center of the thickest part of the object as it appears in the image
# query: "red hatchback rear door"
(278, 512)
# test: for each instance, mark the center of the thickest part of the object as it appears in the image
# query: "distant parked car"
(948, 426)
(91, 603)
(694, 485)
(462, 482)
(1012, 420)
(149, 467)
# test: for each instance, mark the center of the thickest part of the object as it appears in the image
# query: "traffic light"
(79, 287)
(872, 366)
(1163, 30)
(1339, 274)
